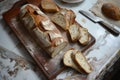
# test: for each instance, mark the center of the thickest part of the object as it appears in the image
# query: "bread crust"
(49, 6)
(42, 29)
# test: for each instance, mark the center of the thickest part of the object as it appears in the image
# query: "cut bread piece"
(71, 17)
(60, 20)
(84, 39)
(74, 31)
(81, 61)
(68, 61)
(49, 6)
(64, 18)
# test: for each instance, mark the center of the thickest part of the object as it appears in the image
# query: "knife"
(99, 20)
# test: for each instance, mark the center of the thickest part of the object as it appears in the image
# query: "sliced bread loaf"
(42, 29)
(49, 6)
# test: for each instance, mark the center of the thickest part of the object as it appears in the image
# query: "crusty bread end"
(49, 6)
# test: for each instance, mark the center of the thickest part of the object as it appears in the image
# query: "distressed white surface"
(14, 67)
(106, 44)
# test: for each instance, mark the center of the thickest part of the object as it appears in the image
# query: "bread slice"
(64, 18)
(68, 61)
(71, 15)
(74, 31)
(60, 20)
(49, 6)
(84, 39)
(81, 61)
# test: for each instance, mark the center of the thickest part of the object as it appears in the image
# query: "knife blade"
(99, 20)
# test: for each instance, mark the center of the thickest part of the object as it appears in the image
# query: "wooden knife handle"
(111, 29)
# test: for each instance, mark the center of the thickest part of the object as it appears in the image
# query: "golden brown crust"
(49, 6)
(111, 11)
(42, 29)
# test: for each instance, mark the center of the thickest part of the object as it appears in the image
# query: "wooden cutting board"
(51, 67)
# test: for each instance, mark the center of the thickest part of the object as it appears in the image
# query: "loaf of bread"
(64, 18)
(42, 29)
(74, 31)
(76, 60)
(111, 11)
(49, 6)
